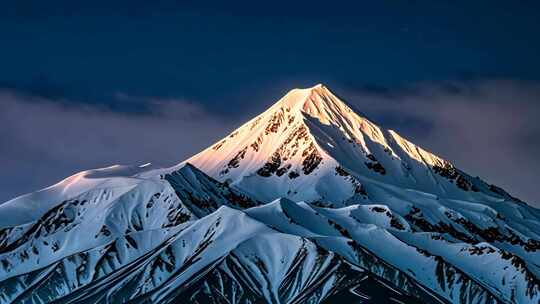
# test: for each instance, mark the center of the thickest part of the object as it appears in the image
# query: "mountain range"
(308, 202)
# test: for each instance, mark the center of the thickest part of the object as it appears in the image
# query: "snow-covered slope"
(311, 146)
(308, 202)
(28, 207)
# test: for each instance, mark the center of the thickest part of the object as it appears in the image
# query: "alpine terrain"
(309, 202)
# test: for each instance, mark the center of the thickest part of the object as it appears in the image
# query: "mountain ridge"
(308, 202)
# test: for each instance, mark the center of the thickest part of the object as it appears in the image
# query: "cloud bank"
(42, 140)
(486, 128)
(489, 128)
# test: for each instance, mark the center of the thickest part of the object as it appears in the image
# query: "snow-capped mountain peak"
(312, 140)
(317, 102)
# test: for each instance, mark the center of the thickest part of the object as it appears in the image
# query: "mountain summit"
(309, 202)
(312, 146)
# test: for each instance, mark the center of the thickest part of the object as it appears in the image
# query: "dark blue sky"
(227, 61)
(233, 51)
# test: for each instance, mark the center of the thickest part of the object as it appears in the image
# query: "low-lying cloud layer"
(42, 141)
(487, 128)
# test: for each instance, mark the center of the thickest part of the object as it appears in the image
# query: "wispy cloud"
(487, 128)
(43, 140)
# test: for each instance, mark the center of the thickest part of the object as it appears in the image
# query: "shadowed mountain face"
(309, 202)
